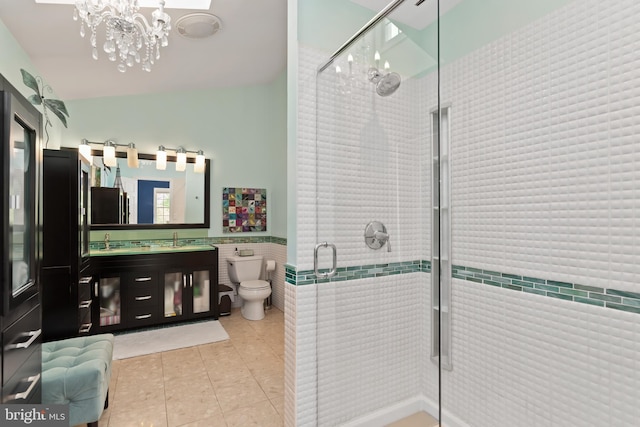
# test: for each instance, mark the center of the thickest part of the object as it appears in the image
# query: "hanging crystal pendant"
(127, 30)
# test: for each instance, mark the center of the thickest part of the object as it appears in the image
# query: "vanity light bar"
(181, 157)
(110, 147)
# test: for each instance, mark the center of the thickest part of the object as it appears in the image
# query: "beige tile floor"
(238, 382)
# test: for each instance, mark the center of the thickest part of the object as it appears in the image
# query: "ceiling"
(251, 48)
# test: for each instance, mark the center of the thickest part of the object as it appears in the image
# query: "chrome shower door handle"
(334, 267)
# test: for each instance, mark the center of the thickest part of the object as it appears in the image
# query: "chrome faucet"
(107, 245)
(175, 239)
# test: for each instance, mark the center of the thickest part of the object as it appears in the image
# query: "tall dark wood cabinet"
(20, 310)
(108, 206)
(66, 283)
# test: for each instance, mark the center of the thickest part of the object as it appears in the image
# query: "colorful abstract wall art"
(244, 209)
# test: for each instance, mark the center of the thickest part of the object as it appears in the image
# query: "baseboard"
(392, 413)
(404, 409)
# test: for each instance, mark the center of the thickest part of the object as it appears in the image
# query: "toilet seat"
(255, 285)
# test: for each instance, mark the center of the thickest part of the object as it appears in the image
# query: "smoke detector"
(198, 25)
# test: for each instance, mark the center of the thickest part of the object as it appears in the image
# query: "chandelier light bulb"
(128, 34)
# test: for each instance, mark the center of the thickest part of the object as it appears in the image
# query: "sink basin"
(148, 249)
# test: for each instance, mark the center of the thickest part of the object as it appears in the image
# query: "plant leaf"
(30, 81)
(55, 104)
(57, 112)
(35, 100)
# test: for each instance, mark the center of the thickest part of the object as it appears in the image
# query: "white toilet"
(244, 272)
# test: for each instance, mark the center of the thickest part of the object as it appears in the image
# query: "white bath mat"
(134, 344)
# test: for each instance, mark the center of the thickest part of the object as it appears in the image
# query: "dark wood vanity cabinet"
(133, 291)
(109, 206)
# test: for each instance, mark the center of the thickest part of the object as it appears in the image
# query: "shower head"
(386, 84)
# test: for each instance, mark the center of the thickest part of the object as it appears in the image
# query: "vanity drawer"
(142, 290)
(84, 316)
(85, 288)
(21, 340)
(24, 386)
(139, 315)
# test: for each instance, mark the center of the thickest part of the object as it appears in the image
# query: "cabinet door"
(110, 302)
(187, 294)
(173, 293)
(200, 290)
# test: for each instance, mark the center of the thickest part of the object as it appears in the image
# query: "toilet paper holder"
(270, 266)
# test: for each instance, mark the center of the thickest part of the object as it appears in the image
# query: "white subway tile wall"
(545, 181)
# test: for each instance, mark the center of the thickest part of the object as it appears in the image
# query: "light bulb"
(199, 167)
(181, 163)
(132, 156)
(386, 65)
(85, 150)
(161, 158)
(109, 154)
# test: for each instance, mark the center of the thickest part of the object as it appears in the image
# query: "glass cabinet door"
(21, 212)
(173, 294)
(201, 290)
(110, 306)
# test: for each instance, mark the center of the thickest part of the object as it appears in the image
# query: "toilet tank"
(243, 268)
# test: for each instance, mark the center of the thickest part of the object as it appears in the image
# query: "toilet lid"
(254, 284)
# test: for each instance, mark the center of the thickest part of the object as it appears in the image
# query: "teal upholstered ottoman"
(76, 371)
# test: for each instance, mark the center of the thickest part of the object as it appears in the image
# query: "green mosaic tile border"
(592, 295)
(114, 244)
(308, 277)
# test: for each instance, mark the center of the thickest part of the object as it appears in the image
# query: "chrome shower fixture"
(386, 84)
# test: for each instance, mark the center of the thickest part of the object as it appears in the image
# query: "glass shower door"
(373, 166)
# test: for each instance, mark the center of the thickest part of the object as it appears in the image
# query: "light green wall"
(240, 129)
(12, 58)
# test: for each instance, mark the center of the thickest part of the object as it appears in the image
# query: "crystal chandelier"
(129, 37)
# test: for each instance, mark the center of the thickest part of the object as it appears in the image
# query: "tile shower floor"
(238, 382)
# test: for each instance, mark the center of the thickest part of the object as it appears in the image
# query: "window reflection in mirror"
(145, 197)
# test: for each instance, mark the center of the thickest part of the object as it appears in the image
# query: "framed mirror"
(147, 198)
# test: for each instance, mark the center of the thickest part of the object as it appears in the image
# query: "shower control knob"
(376, 236)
